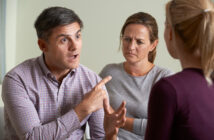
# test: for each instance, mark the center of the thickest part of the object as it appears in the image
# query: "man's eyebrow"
(65, 35)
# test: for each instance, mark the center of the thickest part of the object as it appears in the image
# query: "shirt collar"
(45, 69)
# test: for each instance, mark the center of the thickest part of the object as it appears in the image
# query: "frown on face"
(136, 43)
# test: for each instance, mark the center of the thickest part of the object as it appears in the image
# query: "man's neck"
(60, 75)
(56, 71)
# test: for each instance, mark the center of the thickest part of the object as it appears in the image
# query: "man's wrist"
(81, 111)
(111, 137)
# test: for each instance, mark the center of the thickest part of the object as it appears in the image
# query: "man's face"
(62, 50)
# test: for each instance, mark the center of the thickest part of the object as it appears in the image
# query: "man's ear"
(42, 45)
(154, 44)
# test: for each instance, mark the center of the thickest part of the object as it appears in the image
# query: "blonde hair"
(193, 21)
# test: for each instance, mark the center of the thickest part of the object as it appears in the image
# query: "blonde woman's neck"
(187, 59)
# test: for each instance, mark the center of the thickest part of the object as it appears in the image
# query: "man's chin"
(74, 66)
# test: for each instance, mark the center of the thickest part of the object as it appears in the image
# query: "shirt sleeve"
(96, 119)
(139, 126)
(24, 117)
(96, 125)
(161, 110)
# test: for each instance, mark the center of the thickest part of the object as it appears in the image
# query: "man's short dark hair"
(53, 17)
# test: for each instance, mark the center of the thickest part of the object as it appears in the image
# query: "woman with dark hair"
(133, 79)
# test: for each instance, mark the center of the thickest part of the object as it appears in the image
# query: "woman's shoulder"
(111, 69)
(163, 72)
(113, 66)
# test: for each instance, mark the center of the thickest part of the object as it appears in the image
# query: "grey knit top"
(135, 91)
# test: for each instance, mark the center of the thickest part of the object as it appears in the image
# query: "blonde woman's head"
(193, 22)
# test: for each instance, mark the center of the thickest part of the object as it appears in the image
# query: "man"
(53, 96)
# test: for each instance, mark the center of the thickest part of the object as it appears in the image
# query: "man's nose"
(72, 45)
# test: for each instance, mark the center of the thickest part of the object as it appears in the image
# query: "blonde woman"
(181, 107)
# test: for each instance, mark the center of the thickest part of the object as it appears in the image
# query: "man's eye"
(64, 40)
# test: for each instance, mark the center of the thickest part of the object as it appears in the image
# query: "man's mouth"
(73, 57)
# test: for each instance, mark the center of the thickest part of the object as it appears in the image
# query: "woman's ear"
(153, 45)
(42, 45)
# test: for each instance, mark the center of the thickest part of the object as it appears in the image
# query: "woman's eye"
(139, 42)
(127, 39)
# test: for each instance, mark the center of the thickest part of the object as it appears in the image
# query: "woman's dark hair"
(53, 17)
(148, 21)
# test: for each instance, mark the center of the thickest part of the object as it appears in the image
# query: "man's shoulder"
(24, 67)
(112, 66)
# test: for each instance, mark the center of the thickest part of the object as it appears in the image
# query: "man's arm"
(93, 103)
(113, 120)
(24, 117)
(95, 123)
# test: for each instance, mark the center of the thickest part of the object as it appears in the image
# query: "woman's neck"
(190, 61)
(138, 69)
(187, 59)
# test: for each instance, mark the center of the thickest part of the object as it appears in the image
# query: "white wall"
(1, 103)
(10, 33)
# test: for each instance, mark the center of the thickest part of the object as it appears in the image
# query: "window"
(2, 39)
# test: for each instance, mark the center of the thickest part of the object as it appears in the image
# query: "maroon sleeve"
(161, 111)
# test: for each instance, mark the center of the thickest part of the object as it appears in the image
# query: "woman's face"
(136, 43)
(169, 39)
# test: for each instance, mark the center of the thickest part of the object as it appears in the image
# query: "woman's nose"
(132, 44)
